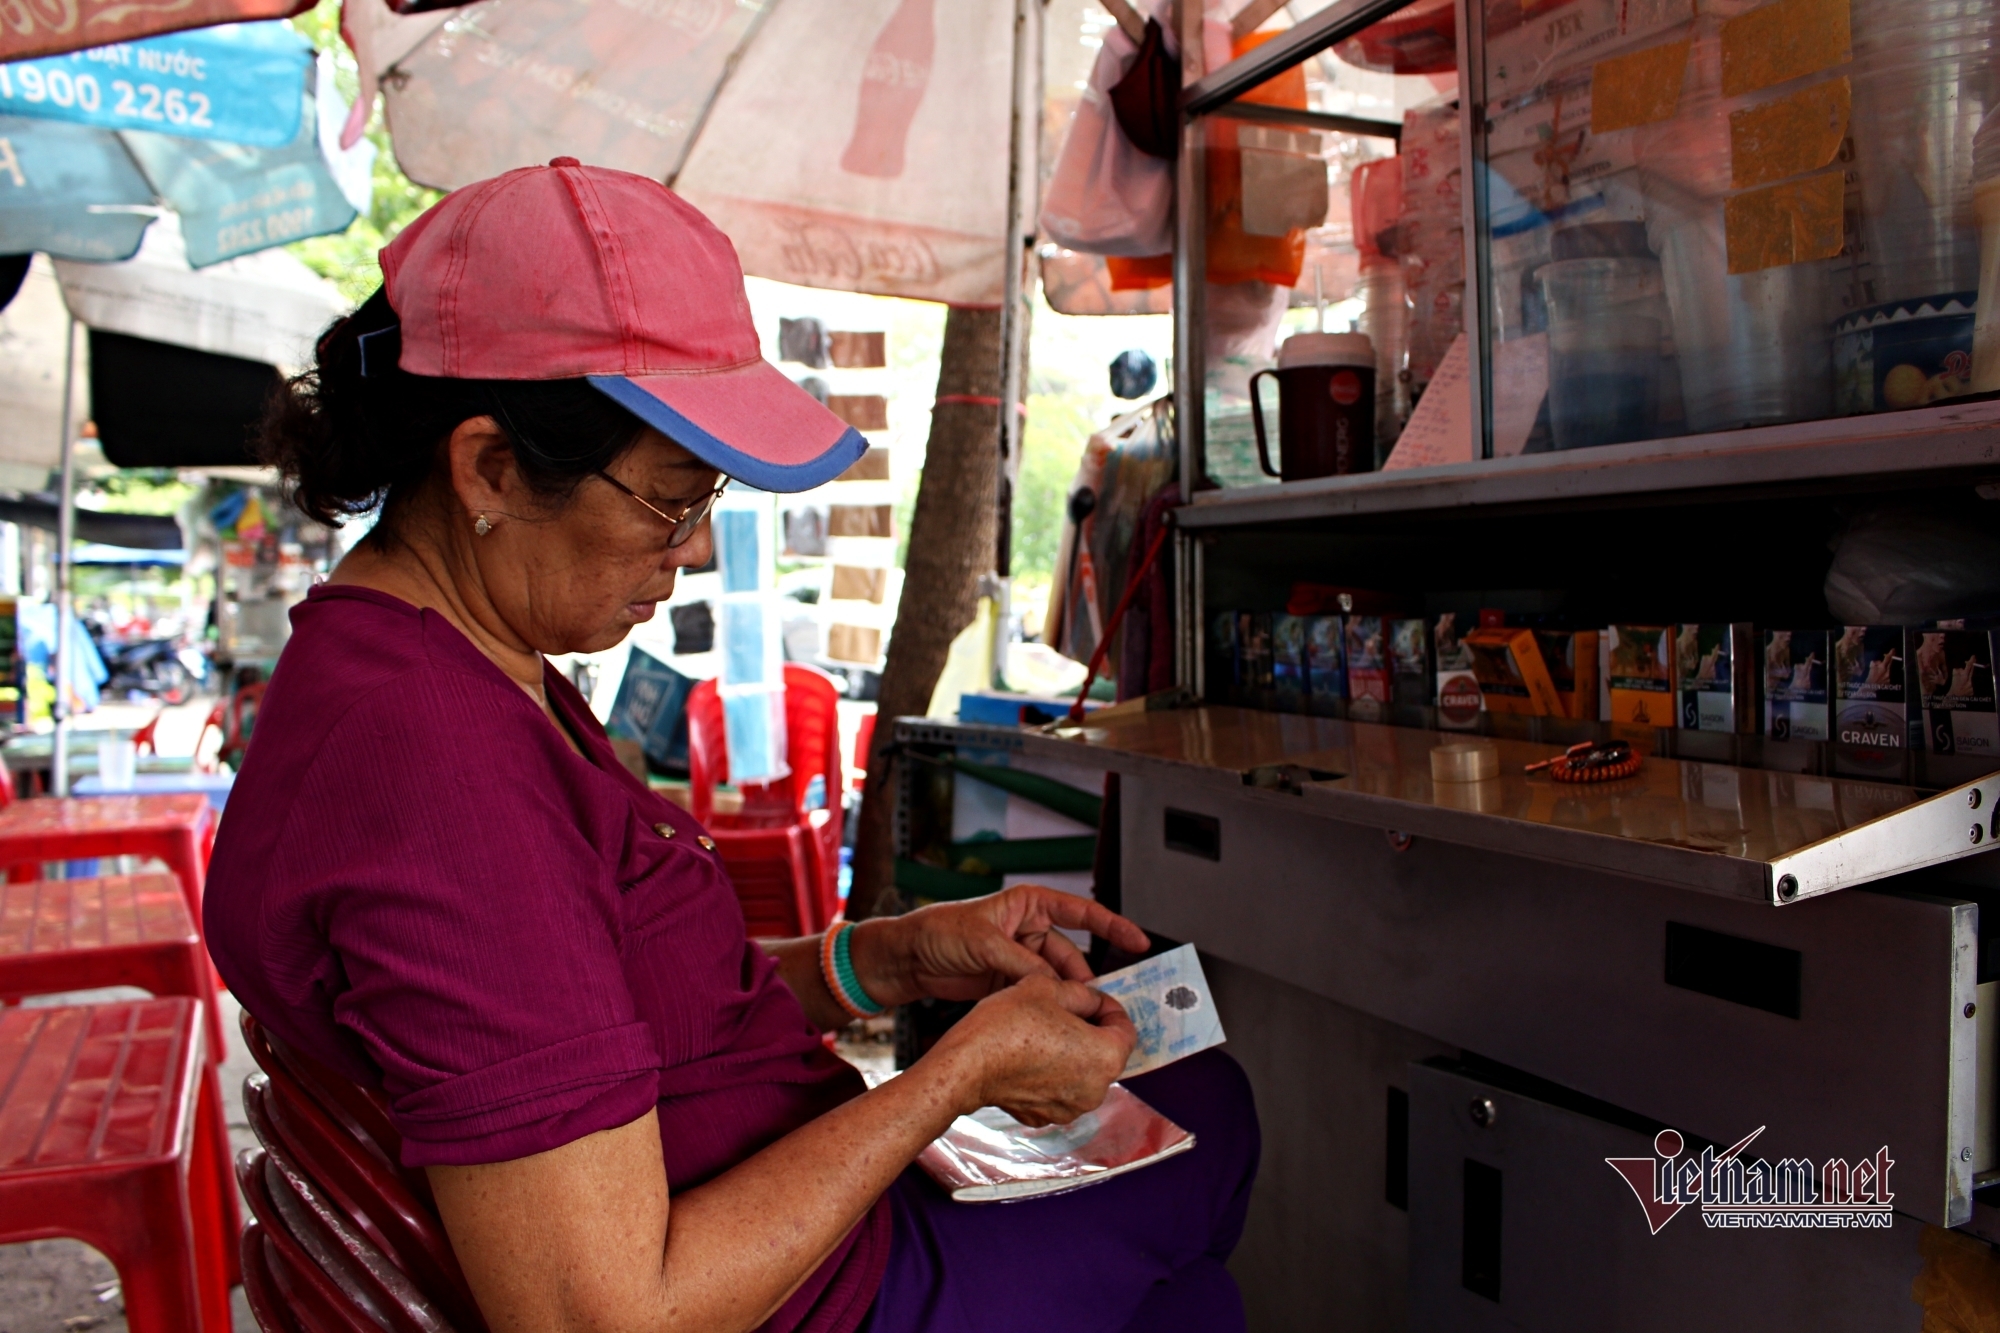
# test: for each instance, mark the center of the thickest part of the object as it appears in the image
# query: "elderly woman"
(437, 878)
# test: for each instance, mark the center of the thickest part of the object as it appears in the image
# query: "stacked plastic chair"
(782, 848)
(344, 1239)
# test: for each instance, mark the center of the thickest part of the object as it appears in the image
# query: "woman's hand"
(1042, 1050)
(963, 951)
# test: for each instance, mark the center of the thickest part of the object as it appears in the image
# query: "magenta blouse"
(419, 883)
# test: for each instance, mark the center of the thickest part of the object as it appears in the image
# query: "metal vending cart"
(1718, 315)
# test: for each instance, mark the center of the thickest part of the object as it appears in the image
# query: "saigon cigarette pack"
(1714, 682)
(1410, 667)
(1795, 684)
(1955, 687)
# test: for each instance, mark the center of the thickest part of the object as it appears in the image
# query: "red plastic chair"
(234, 718)
(864, 742)
(179, 829)
(812, 748)
(336, 1136)
(107, 1135)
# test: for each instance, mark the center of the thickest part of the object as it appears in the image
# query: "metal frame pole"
(61, 667)
(1024, 180)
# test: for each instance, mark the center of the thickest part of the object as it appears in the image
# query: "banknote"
(1169, 1003)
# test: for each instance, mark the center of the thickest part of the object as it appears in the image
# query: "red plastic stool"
(114, 930)
(176, 828)
(105, 1136)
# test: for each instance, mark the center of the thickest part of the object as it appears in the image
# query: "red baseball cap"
(568, 271)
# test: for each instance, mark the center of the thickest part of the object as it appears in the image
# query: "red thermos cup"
(1326, 406)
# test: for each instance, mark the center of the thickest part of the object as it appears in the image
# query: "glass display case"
(1323, 199)
(1649, 219)
(1701, 215)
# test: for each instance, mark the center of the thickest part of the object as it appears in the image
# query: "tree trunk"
(951, 545)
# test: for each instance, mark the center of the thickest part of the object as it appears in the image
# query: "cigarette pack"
(1288, 662)
(1410, 662)
(1459, 701)
(1253, 655)
(1641, 675)
(1512, 676)
(1571, 659)
(1870, 692)
(1955, 685)
(1326, 666)
(1795, 684)
(1713, 682)
(1225, 668)
(1367, 662)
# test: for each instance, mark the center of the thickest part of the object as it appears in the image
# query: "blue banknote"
(1169, 1003)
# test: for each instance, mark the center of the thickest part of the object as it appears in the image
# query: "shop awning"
(182, 362)
(144, 532)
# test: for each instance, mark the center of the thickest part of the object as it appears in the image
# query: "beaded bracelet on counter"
(836, 965)
(1592, 761)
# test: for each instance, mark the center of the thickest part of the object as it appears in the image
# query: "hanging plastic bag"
(1107, 197)
(1236, 254)
(1147, 100)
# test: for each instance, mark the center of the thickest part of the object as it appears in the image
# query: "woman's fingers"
(1066, 909)
(1063, 955)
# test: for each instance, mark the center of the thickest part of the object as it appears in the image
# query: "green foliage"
(1060, 423)
(142, 491)
(348, 260)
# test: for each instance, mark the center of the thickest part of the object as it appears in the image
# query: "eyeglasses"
(687, 522)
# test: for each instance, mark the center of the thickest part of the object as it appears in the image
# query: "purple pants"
(1139, 1254)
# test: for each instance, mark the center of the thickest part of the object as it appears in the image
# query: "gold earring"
(481, 526)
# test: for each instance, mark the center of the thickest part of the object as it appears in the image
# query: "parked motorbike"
(161, 668)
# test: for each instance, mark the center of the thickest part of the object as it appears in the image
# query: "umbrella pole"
(1024, 174)
(59, 659)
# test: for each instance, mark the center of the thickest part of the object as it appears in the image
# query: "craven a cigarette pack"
(1459, 700)
(1954, 669)
(1870, 687)
(1795, 671)
(1641, 674)
(1713, 681)
(1367, 662)
(1326, 666)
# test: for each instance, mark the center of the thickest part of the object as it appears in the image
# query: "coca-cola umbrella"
(861, 145)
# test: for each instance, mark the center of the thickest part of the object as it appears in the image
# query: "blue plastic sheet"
(237, 83)
(234, 199)
(86, 670)
(69, 191)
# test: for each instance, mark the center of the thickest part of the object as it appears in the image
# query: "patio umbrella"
(861, 145)
(51, 27)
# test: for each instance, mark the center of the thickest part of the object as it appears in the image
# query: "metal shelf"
(1945, 440)
(1748, 834)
